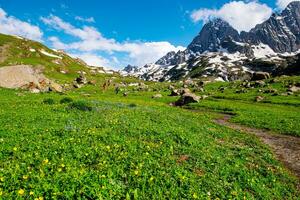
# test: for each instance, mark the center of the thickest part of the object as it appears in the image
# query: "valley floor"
(98, 145)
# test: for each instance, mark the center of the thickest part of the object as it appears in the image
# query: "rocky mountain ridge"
(222, 53)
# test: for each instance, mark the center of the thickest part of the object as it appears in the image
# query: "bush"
(81, 105)
(49, 101)
(66, 100)
(132, 105)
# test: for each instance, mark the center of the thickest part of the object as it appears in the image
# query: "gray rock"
(156, 96)
(174, 93)
(259, 98)
(257, 76)
(294, 89)
(187, 98)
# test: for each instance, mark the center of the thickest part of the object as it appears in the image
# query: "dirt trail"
(286, 148)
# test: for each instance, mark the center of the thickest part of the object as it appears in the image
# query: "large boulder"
(55, 87)
(187, 98)
(184, 91)
(81, 80)
(174, 93)
(257, 76)
(294, 89)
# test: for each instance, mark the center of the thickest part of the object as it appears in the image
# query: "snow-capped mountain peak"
(221, 52)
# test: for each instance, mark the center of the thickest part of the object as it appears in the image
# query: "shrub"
(49, 101)
(66, 100)
(81, 105)
(132, 105)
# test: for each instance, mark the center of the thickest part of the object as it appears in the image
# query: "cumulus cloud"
(82, 19)
(13, 26)
(241, 15)
(93, 59)
(282, 4)
(91, 40)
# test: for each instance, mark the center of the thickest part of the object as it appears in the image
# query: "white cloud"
(142, 53)
(13, 26)
(82, 19)
(91, 40)
(242, 16)
(282, 4)
(93, 59)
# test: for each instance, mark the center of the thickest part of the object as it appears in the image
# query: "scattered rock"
(125, 94)
(200, 89)
(171, 87)
(270, 91)
(34, 90)
(259, 83)
(156, 96)
(184, 91)
(187, 98)
(259, 98)
(203, 97)
(243, 90)
(143, 87)
(81, 79)
(257, 76)
(92, 82)
(77, 86)
(246, 84)
(294, 89)
(55, 87)
(174, 93)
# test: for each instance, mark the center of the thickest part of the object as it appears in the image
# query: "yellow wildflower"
(195, 196)
(21, 192)
(1, 193)
(15, 148)
(151, 179)
(25, 177)
(46, 161)
(31, 193)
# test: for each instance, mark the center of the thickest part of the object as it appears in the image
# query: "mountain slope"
(219, 52)
(54, 64)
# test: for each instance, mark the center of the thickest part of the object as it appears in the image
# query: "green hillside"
(56, 65)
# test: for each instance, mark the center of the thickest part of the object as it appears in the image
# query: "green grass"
(283, 119)
(128, 148)
(94, 144)
(277, 112)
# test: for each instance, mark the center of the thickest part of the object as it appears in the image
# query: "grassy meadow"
(90, 144)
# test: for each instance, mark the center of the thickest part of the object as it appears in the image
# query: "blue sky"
(128, 31)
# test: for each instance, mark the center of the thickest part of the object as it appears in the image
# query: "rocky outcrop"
(212, 35)
(257, 76)
(187, 98)
(28, 78)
